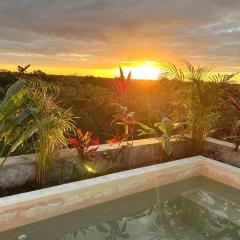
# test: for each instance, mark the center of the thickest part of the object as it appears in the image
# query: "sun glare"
(147, 71)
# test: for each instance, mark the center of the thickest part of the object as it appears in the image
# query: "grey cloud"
(109, 27)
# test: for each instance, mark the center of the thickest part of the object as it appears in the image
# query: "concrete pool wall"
(19, 170)
(22, 209)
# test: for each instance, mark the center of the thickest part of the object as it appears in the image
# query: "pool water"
(193, 209)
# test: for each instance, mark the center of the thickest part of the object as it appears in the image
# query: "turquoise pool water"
(194, 209)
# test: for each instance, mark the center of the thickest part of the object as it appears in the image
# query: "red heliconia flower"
(121, 84)
(73, 142)
(95, 142)
(85, 144)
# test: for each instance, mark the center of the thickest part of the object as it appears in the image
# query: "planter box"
(221, 151)
(19, 170)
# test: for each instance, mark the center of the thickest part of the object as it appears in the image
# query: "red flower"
(121, 84)
(116, 139)
(95, 142)
(73, 141)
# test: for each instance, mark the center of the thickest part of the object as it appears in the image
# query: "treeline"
(90, 99)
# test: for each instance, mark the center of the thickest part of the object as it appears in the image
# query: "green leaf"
(20, 139)
(14, 99)
(167, 124)
(160, 126)
(166, 144)
(9, 126)
(29, 132)
(145, 130)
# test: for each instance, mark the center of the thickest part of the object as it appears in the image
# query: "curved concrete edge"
(26, 208)
(221, 172)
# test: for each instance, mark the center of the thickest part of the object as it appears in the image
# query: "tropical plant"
(52, 124)
(115, 139)
(165, 132)
(86, 146)
(122, 83)
(28, 112)
(234, 115)
(198, 101)
(123, 117)
(83, 143)
(127, 120)
(22, 70)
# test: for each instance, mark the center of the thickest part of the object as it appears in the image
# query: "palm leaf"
(175, 72)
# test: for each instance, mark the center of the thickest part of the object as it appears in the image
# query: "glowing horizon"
(144, 70)
(147, 70)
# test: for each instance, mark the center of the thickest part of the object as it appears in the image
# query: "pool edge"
(26, 208)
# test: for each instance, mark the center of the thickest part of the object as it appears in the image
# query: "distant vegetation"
(90, 100)
(90, 97)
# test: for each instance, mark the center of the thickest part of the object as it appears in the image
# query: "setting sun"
(148, 71)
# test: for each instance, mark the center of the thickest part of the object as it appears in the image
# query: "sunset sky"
(94, 37)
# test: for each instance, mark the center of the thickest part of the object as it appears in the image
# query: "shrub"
(197, 102)
(29, 112)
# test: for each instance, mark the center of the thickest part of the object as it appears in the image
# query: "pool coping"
(26, 208)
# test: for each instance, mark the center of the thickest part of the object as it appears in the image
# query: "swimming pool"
(194, 198)
(196, 208)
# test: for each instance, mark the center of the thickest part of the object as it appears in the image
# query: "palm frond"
(175, 73)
